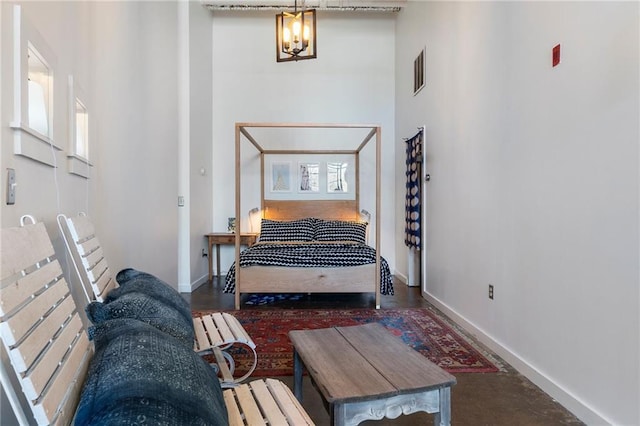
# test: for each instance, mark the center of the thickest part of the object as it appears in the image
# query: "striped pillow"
(294, 230)
(340, 230)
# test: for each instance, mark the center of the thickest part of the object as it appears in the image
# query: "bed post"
(378, 184)
(237, 230)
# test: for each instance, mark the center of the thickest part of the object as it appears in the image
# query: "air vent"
(338, 5)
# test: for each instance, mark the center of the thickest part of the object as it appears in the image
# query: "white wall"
(351, 81)
(534, 186)
(201, 128)
(124, 56)
(44, 191)
(136, 149)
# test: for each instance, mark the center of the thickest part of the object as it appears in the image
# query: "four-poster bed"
(294, 216)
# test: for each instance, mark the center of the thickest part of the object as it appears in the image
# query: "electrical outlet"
(204, 253)
(491, 291)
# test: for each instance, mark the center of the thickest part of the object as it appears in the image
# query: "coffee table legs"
(443, 417)
(436, 401)
(297, 375)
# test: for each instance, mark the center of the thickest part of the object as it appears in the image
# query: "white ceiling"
(365, 5)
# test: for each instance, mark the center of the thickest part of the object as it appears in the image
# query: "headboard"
(321, 209)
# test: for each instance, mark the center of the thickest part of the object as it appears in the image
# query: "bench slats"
(20, 250)
(202, 341)
(17, 326)
(82, 228)
(267, 403)
(291, 408)
(16, 293)
(262, 402)
(248, 406)
(49, 362)
(95, 264)
(95, 269)
(40, 341)
(223, 328)
(233, 411)
(238, 331)
(72, 398)
(210, 328)
(41, 331)
(65, 378)
(105, 284)
(87, 247)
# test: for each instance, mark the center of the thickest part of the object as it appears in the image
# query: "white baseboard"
(188, 288)
(401, 277)
(571, 402)
(404, 279)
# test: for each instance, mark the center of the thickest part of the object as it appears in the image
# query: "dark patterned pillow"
(147, 309)
(341, 230)
(134, 281)
(293, 230)
(139, 374)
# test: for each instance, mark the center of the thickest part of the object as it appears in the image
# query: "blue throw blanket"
(140, 375)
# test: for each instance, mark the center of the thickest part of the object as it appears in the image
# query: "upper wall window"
(34, 69)
(40, 93)
(78, 156)
(81, 147)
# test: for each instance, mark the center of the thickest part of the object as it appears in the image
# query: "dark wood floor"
(505, 398)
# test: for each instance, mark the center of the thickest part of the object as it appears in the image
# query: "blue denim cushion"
(145, 308)
(134, 281)
(140, 375)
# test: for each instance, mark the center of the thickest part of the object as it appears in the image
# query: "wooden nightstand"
(226, 238)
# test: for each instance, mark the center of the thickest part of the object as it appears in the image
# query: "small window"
(40, 94)
(82, 130)
(34, 69)
(78, 156)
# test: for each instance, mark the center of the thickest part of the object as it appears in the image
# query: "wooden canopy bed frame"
(270, 279)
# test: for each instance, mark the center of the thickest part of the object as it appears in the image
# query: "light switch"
(11, 186)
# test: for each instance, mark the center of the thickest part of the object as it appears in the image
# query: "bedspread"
(311, 255)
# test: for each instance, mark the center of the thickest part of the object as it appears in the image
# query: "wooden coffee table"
(366, 373)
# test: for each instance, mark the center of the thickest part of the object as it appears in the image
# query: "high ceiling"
(365, 5)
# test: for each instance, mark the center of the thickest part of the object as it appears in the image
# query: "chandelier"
(296, 35)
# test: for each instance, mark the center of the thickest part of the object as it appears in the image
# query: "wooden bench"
(263, 402)
(215, 333)
(45, 340)
(40, 327)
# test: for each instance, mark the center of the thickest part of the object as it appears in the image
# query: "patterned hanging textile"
(412, 231)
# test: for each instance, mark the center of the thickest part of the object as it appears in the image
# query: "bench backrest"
(40, 327)
(87, 256)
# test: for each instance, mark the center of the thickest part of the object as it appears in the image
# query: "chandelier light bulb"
(296, 31)
(286, 38)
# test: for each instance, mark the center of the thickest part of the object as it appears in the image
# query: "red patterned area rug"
(421, 328)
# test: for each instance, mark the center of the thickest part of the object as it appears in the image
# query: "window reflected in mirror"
(337, 177)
